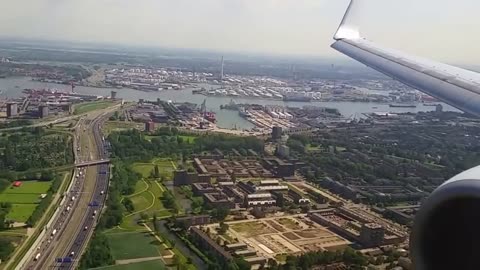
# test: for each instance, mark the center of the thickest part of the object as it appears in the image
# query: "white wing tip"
(347, 30)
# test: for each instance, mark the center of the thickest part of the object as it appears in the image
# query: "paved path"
(180, 245)
(117, 262)
(169, 256)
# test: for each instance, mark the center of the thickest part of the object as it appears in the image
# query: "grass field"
(249, 229)
(34, 187)
(21, 212)
(146, 199)
(20, 198)
(91, 106)
(156, 264)
(24, 199)
(132, 245)
(311, 148)
(149, 201)
(111, 126)
(189, 139)
(143, 168)
(164, 165)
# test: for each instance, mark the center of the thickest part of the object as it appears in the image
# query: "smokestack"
(221, 70)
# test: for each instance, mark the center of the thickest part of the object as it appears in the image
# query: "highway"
(70, 231)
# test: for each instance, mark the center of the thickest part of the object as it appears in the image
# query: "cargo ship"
(210, 116)
(402, 105)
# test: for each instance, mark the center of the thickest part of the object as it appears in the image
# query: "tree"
(144, 216)
(155, 225)
(6, 248)
(156, 172)
(176, 260)
(223, 228)
(220, 213)
(242, 264)
(128, 204)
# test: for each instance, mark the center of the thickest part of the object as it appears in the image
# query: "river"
(12, 88)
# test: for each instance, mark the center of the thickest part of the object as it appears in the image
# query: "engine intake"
(446, 232)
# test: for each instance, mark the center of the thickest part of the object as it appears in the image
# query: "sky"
(444, 30)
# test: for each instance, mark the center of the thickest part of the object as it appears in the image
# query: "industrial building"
(43, 111)
(150, 126)
(12, 109)
(276, 133)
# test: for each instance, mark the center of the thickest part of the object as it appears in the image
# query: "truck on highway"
(54, 232)
(37, 257)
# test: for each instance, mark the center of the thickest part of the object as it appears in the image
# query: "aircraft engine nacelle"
(446, 231)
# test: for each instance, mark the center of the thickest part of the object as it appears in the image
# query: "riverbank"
(12, 87)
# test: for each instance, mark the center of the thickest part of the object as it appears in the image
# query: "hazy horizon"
(440, 29)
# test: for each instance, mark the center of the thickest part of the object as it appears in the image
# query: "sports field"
(24, 199)
(132, 245)
(156, 264)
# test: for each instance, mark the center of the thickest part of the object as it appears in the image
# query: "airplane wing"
(452, 85)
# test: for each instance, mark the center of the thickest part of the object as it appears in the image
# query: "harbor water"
(12, 88)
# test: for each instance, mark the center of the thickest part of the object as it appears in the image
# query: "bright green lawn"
(165, 167)
(32, 187)
(24, 199)
(149, 201)
(142, 201)
(156, 264)
(189, 139)
(143, 168)
(21, 212)
(140, 186)
(20, 198)
(131, 245)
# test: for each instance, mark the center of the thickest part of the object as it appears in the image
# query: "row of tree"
(45, 202)
(353, 259)
(133, 145)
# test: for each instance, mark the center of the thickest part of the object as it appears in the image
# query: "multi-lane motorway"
(67, 236)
